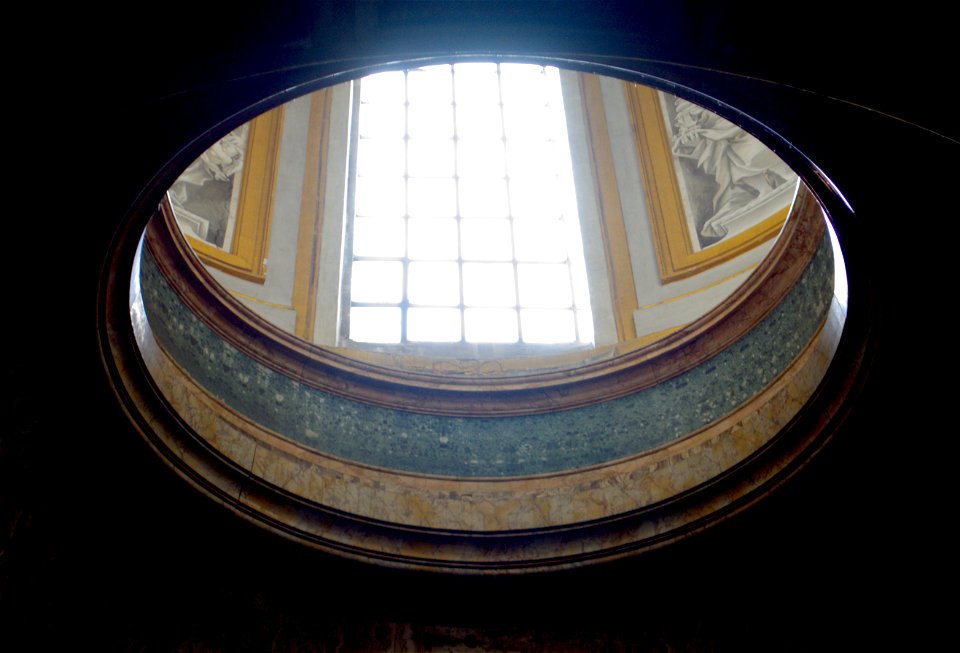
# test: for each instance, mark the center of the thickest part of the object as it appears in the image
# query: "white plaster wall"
(588, 205)
(273, 299)
(327, 318)
(661, 306)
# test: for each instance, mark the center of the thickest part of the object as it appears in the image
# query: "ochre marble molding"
(492, 446)
(599, 377)
(487, 505)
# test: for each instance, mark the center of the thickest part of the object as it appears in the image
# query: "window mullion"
(347, 271)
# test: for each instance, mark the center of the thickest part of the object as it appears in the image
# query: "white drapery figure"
(745, 171)
(209, 217)
(220, 161)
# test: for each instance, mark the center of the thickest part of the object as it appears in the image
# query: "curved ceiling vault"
(536, 469)
(492, 533)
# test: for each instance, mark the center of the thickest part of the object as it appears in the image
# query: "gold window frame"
(247, 255)
(677, 257)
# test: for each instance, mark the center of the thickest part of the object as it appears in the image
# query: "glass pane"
(544, 326)
(435, 284)
(545, 285)
(521, 83)
(380, 157)
(483, 198)
(430, 120)
(376, 282)
(489, 284)
(432, 239)
(374, 324)
(430, 157)
(534, 197)
(382, 120)
(476, 82)
(382, 197)
(432, 198)
(486, 240)
(383, 87)
(526, 158)
(433, 324)
(526, 120)
(378, 237)
(430, 85)
(479, 121)
(480, 158)
(490, 325)
(540, 240)
(459, 240)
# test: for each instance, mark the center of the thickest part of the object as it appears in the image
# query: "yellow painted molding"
(676, 256)
(612, 227)
(246, 257)
(692, 293)
(307, 264)
(257, 300)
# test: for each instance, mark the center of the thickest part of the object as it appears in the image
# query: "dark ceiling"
(102, 544)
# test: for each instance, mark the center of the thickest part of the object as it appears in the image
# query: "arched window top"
(284, 409)
(483, 212)
(464, 225)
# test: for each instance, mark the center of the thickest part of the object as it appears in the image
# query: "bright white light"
(540, 240)
(378, 237)
(430, 157)
(432, 239)
(491, 325)
(377, 282)
(546, 326)
(375, 324)
(434, 284)
(479, 157)
(483, 198)
(381, 197)
(380, 157)
(489, 284)
(428, 120)
(383, 88)
(433, 324)
(381, 121)
(472, 160)
(544, 285)
(486, 239)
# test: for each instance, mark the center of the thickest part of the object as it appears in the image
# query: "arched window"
(464, 216)
(484, 211)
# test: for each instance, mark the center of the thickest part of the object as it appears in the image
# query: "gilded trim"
(544, 500)
(247, 256)
(307, 265)
(676, 257)
(612, 227)
(615, 375)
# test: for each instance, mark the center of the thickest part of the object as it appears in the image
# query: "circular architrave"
(583, 385)
(482, 525)
(486, 505)
(351, 535)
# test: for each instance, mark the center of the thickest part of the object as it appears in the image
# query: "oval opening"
(483, 219)
(697, 314)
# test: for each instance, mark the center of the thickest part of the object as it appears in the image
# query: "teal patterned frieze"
(492, 446)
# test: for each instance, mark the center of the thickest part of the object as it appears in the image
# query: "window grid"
(520, 266)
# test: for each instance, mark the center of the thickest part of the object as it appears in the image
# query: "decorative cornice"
(521, 394)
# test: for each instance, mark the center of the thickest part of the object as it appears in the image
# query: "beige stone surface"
(549, 501)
